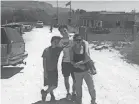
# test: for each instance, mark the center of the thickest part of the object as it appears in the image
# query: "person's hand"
(92, 72)
(76, 66)
(79, 63)
(82, 67)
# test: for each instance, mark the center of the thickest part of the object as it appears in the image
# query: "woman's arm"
(87, 52)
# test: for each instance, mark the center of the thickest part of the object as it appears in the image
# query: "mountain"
(28, 10)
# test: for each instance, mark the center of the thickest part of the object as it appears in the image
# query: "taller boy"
(67, 67)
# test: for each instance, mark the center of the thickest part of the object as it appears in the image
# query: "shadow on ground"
(8, 72)
(61, 101)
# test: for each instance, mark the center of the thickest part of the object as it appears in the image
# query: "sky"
(100, 5)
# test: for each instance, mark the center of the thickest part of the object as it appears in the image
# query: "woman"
(79, 55)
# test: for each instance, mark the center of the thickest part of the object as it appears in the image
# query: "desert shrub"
(131, 52)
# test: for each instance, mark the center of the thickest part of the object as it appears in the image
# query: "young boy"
(67, 68)
(50, 60)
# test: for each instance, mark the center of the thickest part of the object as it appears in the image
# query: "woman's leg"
(90, 84)
(73, 86)
(78, 86)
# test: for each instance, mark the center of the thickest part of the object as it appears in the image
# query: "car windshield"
(39, 21)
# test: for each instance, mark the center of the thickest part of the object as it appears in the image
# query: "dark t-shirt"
(51, 55)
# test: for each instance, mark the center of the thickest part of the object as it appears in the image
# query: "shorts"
(67, 69)
(52, 79)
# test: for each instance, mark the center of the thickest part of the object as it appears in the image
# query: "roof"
(12, 25)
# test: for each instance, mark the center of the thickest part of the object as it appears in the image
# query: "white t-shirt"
(67, 44)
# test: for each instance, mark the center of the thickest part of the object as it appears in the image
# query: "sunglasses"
(78, 40)
(63, 31)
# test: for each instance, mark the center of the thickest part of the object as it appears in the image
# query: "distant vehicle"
(27, 27)
(39, 24)
(12, 47)
(17, 26)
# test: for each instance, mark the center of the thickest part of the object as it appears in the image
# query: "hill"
(28, 11)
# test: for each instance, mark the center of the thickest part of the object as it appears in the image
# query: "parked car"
(27, 28)
(12, 47)
(39, 24)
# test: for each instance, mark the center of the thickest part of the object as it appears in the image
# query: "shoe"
(52, 98)
(74, 97)
(44, 94)
(93, 102)
(68, 97)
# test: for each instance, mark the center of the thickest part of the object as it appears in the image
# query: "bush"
(131, 53)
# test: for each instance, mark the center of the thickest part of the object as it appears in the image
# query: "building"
(108, 19)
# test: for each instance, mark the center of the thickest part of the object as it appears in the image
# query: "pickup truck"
(12, 47)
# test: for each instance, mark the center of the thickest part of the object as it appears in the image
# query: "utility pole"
(70, 14)
(57, 12)
(70, 9)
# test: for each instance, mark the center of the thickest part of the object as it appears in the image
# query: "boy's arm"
(44, 55)
(44, 67)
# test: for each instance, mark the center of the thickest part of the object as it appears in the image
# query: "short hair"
(62, 26)
(77, 35)
(55, 38)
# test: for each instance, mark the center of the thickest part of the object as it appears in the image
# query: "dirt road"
(116, 82)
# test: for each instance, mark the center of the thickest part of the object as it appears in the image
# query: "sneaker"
(93, 102)
(74, 97)
(52, 98)
(68, 97)
(43, 93)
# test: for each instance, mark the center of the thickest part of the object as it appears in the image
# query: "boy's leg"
(52, 96)
(50, 89)
(90, 84)
(52, 81)
(78, 86)
(66, 73)
(51, 93)
(66, 81)
(44, 93)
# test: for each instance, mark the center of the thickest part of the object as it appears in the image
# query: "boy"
(50, 60)
(66, 42)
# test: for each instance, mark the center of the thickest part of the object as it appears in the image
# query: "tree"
(82, 11)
